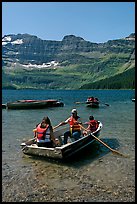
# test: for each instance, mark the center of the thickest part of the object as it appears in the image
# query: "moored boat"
(3, 106)
(93, 105)
(92, 102)
(133, 99)
(60, 152)
(34, 104)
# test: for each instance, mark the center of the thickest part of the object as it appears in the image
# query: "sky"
(93, 21)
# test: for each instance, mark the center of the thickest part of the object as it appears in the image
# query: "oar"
(78, 102)
(113, 150)
(105, 104)
(31, 140)
(26, 140)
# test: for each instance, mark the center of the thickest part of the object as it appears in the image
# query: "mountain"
(73, 63)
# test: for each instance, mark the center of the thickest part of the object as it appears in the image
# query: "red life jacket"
(73, 124)
(41, 132)
(93, 125)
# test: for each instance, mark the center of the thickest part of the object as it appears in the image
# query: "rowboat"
(3, 106)
(64, 151)
(92, 102)
(34, 104)
(93, 105)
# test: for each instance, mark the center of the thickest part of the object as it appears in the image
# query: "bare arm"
(35, 132)
(60, 124)
(86, 130)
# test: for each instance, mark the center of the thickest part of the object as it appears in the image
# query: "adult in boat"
(44, 134)
(92, 99)
(92, 125)
(75, 128)
(96, 100)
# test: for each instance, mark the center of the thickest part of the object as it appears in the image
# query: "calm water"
(118, 118)
(118, 122)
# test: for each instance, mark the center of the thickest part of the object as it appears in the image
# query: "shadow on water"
(88, 155)
(91, 153)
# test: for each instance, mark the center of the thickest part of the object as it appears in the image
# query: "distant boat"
(3, 105)
(34, 104)
(133, 99)
(92, 102)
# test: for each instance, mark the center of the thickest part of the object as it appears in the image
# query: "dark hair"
(47, 121)
(43, 125)
(91, 117)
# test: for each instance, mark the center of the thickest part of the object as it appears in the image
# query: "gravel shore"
(110, 178)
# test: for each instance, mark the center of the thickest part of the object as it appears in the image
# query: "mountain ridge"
(26, 56)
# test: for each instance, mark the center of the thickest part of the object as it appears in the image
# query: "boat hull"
(62, 152)
(36, 104)
(93, 105)
(3, 106)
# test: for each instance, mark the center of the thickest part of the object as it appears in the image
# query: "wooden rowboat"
(92, 102)
(33, 104)
(60, 152)
(93, 105)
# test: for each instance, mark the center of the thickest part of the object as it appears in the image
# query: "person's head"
(46, 120)
(91, 117)
(74, 111)
(43, 124)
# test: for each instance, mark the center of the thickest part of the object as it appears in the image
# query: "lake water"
(118, 128)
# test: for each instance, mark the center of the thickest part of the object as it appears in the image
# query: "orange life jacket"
(93, 125)
(73, 124)
(41, 132)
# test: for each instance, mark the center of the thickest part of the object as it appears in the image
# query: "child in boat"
(44, 134)
(92, 125)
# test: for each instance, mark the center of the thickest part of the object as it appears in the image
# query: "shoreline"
(106, 179)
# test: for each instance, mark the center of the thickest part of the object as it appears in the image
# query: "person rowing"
(75, 129)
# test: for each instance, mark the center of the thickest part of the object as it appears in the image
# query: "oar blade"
(119, 153)
(78, 102)
(106, 104)
(113, 150)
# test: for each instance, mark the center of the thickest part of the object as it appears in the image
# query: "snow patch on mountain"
(7, 40)
(44, 65)
(18, 41)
